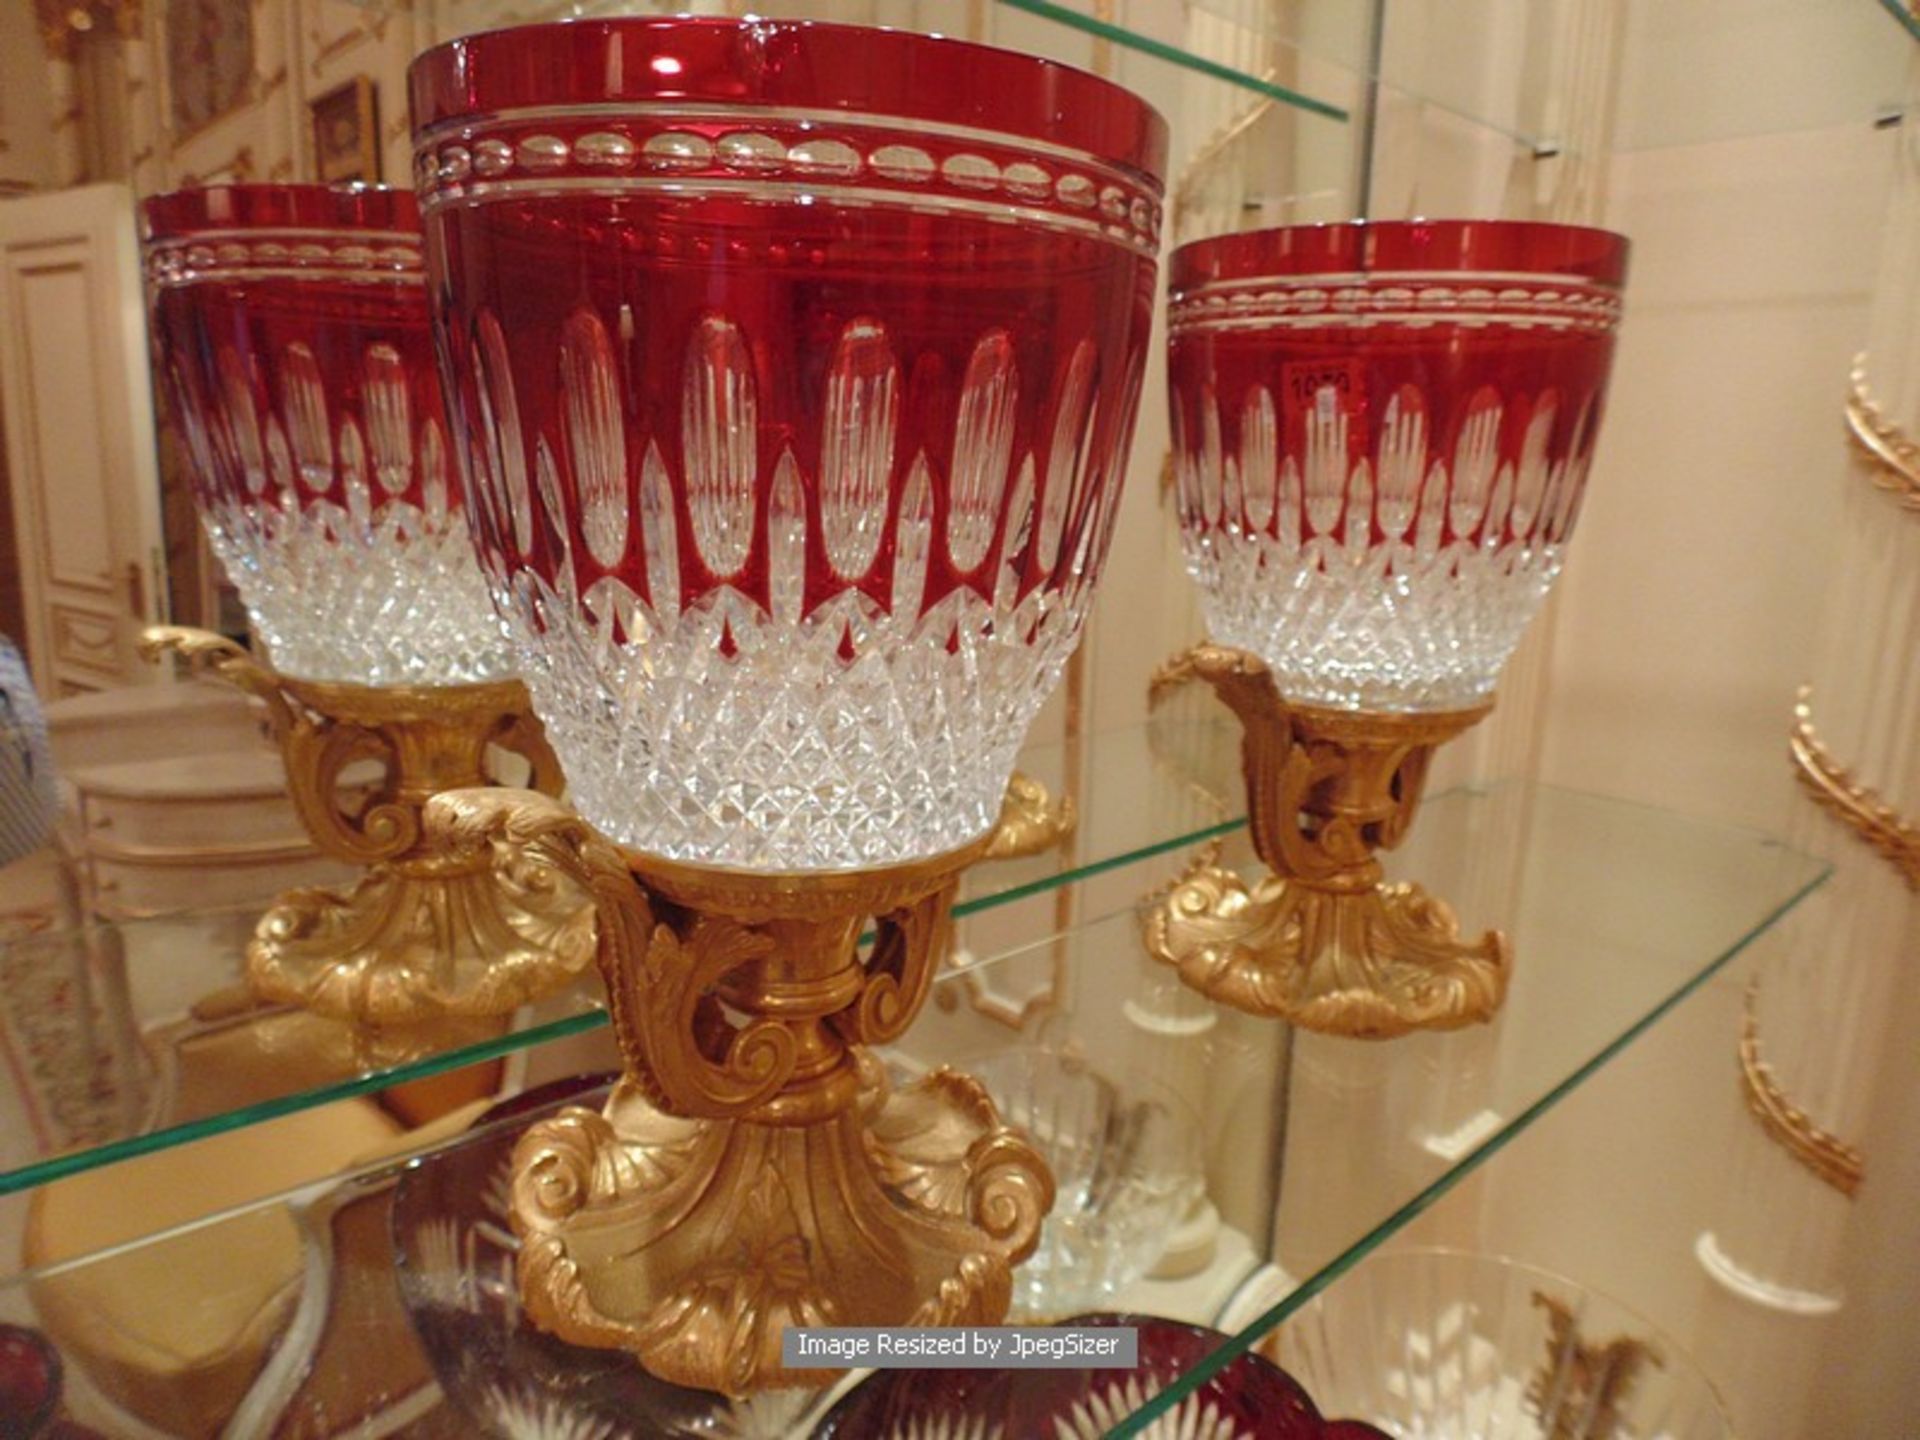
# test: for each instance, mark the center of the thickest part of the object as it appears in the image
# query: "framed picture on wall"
(346, 132)
(209, 62)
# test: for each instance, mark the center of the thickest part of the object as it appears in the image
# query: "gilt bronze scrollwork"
(753, 1169)
(1323, 941)
(425, 935)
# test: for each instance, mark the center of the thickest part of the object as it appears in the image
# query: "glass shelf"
(1723, 70)
(448, 19)
(111, 1028)
(1313, 1150)
(1904, 15)
(1308, 112)
(1619, 918)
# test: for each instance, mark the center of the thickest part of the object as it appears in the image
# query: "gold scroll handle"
(1831, 1159)
(1031, 821)
(425, 738)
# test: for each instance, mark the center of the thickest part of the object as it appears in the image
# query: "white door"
(78, 416)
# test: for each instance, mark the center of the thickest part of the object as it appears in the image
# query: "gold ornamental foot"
(695, 1243)
(409, 944)
(751, 1170)
(429, 933)
(1370, 963)
(1323, 941)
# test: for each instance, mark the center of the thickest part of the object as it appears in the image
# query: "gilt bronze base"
(424, 935)
(752, 1170)
(1323, 941)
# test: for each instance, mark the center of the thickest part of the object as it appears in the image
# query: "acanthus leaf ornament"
(1893, 455)
(1829, 1158)
(1835, 789)
(1583, 1386)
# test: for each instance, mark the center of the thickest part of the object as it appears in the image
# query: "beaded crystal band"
(1315, 301)
(227, 255)
(777, 154)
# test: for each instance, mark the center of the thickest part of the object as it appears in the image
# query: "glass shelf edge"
(1904, 17)
(60, 1167)
(1173, 55)
(1264, 1324)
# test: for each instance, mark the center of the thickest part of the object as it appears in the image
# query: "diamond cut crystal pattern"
(1377, 471)
(751, 729)
(351, 561)
(1357, 588)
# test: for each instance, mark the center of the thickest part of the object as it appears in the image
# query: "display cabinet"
(1312, 1151)
(231, 1217)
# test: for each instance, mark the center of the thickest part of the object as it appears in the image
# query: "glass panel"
(1138, 27)
(1729, 69)
(133, 1035)
(1616, 914)
(1617, 917)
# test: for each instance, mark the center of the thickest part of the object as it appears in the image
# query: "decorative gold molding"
(1830, 1158)
(326, 50)
(62, 22)
(1834, 789)
(1892, 454)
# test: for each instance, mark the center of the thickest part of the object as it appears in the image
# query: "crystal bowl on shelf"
(291, 339)
(793, 368)
(1382, 433)
(797, 373)
(1125, 1156)
(1433, 1344)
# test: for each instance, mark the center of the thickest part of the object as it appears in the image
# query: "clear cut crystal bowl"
(1433, 1344)
(291, 341)
(1125, 1157)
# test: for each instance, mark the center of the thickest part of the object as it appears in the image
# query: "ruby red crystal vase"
(1382, 434)
(291, 338)
(793, 369)
(290, 327)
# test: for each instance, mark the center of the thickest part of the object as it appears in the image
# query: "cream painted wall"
(1754, 186)
(1693, 595)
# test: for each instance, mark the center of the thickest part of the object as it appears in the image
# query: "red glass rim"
(1520, 247)
(807, 64)
(356, 206)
